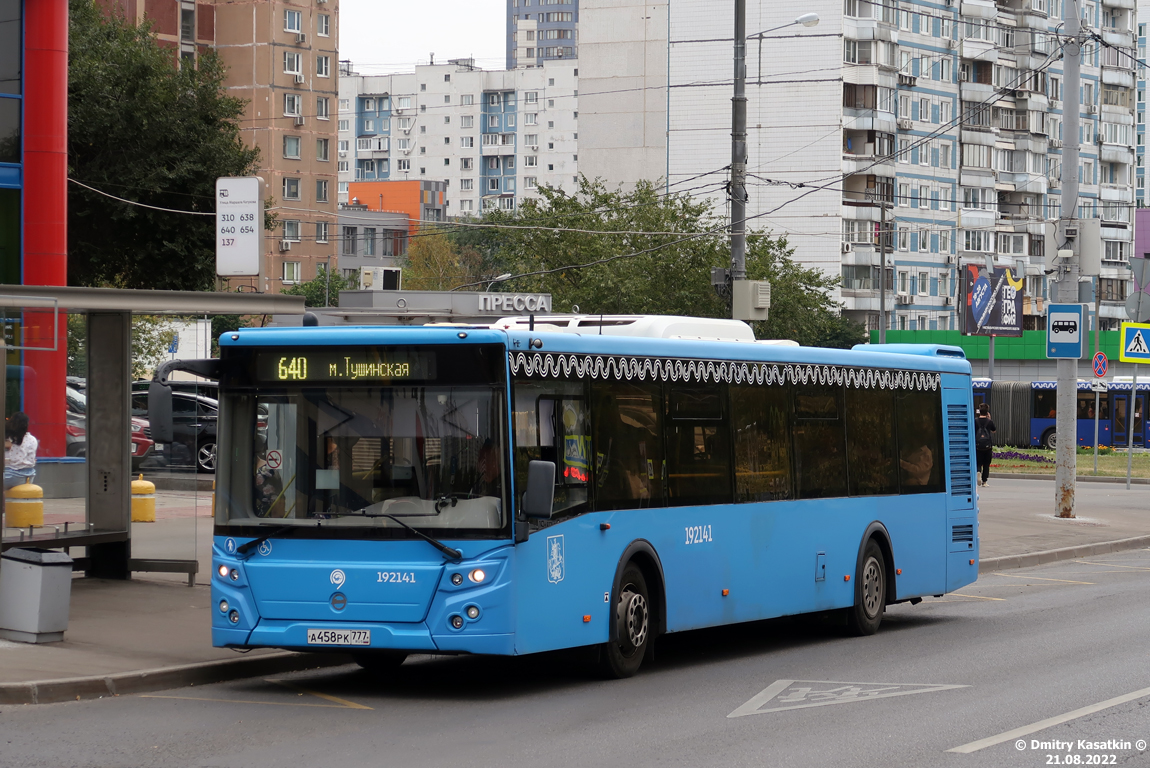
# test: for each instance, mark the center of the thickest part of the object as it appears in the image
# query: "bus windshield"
(351, 456)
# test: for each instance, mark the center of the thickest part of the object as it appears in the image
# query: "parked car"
(194, 428)
(76, 430)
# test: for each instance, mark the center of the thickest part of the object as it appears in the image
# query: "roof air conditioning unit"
(301, 38)
(380, 278)
(847, 248)
(285, 245)
(299, 119)
(298, 78)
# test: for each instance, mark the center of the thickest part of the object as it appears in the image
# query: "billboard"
(992, 303)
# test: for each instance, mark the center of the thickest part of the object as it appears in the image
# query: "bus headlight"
(222, 571)
(472, 612)
(478, 575)
(456, 579)
(223, 606)
(234, 616)
(457, 621)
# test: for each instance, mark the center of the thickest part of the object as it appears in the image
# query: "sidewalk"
(152, 633)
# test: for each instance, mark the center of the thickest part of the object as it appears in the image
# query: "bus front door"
(1121, 405)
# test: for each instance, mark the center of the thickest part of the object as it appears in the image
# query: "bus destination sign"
(357, 364)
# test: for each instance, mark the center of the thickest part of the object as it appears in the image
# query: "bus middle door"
(1121, 409)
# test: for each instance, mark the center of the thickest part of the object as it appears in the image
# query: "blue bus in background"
(576, 481)
(1025, 412)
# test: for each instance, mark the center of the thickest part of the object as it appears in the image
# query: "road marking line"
(1039, 578)
(243, 701)
(979, 597)
(324, 696)
(1042, 725)
(1113, 565)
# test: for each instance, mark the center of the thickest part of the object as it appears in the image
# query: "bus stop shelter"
(107, 530)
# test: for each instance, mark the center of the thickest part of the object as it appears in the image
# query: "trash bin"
(35, 592)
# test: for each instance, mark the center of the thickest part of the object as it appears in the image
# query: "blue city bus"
(1025, 412)
(525, 488)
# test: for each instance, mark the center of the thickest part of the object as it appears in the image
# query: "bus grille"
(958, 431)
(962, 534)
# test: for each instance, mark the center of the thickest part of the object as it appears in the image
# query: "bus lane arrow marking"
(803, 694)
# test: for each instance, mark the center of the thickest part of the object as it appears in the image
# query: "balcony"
(979, 9)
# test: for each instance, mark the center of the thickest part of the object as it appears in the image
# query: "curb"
(170, 483)
(1066, 553)
(143, 681)
(1078, 478)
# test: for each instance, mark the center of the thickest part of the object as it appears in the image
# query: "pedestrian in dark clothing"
(984, 430)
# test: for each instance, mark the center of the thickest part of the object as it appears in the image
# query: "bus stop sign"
(1064, 331)
(1100, 364)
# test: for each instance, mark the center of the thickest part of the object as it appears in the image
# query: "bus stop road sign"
(1064, 331)
(1135, 343)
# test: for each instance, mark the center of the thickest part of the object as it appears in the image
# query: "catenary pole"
(1066, 424)
(739, 149)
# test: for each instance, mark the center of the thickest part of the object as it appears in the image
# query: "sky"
(382, 36)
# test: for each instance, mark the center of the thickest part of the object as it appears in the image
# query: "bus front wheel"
(1050, 440)
(622, 656)
(870, 592)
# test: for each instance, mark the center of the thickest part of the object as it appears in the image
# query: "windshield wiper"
(454, 554)
(243, 549)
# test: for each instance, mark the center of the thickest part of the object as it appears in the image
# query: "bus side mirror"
(160, 412)
(539, 498)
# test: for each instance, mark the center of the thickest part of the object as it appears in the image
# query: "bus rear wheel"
(1050, 440)
(621, 657)
(870, 593)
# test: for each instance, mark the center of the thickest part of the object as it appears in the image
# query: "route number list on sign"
(239, 226)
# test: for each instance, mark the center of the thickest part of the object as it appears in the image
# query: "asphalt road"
(1007, 653)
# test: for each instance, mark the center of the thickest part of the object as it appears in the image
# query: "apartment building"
(494, 137)
(1143, 11)
(281, 57)
(947, 115)
(541, 30)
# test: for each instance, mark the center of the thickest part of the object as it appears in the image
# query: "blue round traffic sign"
(1100, 364)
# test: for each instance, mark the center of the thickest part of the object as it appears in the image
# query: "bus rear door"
(1120, 402)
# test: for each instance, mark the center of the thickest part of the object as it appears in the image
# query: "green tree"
(434, 262)
(144, 129)
(323, 288)
(666, 270)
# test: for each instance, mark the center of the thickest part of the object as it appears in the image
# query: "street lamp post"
(739, 136)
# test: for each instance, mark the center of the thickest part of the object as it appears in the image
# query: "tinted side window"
(871, 458)
(551, 423)
(1045, 403)
(820, 441)
(698, 445)
(920, 455)
(183, 406)
(760, 418)
(626, 438)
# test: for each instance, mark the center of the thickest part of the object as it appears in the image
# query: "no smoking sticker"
(275, 459)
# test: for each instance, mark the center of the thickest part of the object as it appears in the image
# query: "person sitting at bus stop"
(984, 430)
(19, 451)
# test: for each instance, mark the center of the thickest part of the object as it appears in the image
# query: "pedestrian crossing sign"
(1135, 343)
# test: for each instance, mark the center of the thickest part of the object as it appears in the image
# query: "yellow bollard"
(143, 501)
(24, 505)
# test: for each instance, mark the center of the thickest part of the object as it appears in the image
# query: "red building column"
(45, 260)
